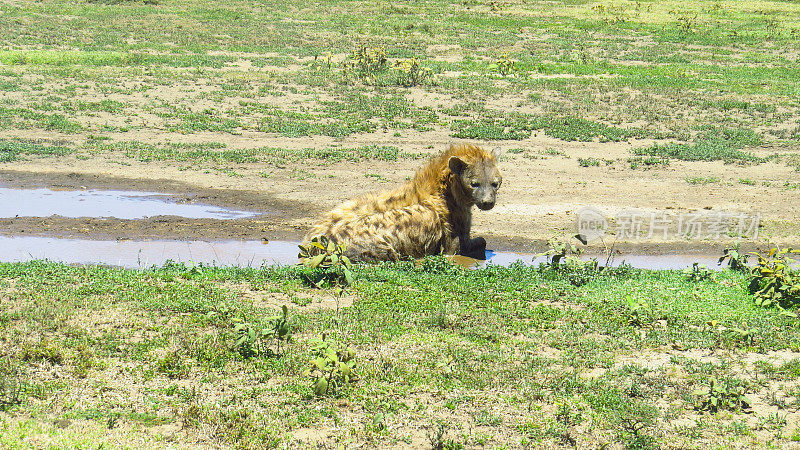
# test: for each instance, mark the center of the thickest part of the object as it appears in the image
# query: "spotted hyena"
(429, 215)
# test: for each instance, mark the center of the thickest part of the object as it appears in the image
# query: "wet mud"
(175, 191)
(273, 218)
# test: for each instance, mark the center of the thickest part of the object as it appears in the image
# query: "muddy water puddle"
(102, 206)
(140, 254)
(127, 205)
(652, 262)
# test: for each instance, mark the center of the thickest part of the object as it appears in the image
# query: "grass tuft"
(716, 144)
(12, 150)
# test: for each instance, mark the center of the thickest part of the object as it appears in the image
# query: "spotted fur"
(429, 215)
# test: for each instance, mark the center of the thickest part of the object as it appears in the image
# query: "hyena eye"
(474, 184)
(495, 185)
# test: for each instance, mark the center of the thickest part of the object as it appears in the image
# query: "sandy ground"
(544, 187)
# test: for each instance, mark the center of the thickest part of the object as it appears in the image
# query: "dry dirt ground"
(544, 187)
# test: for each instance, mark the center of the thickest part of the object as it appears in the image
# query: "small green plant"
(376, 176)
(741, 334)
(553, 152)
(630, 417)
(504, 65)
(558, 251)
(488, 130)
(323, 253)
(331, 367)
(773, 281)
(720, 396)
(379, 422)
(325, 61)
(697, 273)
(686, 20)
(172, 365)
(409, 72)
(611, 14)
(791, 186)
(566, 416)
(367, 63)
(12, 388)
(84, 360)
(438, 438)
(736, 259)
(113, 421)
(565, 258)
(44, 350)
(124, 2)
(254, 341)
(301, 301)
(588, 162)
(638, 311)
(772, 421)
(193, 271)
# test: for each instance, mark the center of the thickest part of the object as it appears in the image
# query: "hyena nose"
(485, 205)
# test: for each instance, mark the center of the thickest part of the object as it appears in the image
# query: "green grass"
(647, 162)
(712, 145)
(104, 58)
(217, 152)
(13, 150)
(588, 162)
(520, 126)
(488, 131)
(793, 160)
(60, 58)
(702, 180)
(430, 339)
(355, 113)
(607, 72)
(22, 118)
(579, 129)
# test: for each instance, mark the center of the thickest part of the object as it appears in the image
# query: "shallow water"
(653, 262)
(138, 254)
(97, 203)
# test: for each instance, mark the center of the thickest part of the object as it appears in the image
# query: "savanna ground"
(291, 107)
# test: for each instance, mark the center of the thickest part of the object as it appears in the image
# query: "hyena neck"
(457, 196)
(459, 206)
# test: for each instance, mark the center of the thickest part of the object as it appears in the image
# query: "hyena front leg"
(474, 248)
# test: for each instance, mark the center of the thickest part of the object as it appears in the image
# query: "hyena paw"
(476, 248)
(478, 243)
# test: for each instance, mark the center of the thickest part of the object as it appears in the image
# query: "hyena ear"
(496, 152)
(457, 166)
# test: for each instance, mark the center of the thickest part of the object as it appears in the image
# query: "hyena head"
(478, 178)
